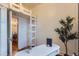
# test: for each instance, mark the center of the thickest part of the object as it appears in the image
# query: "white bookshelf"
(19, 8)
(33, 31)
(31, 22)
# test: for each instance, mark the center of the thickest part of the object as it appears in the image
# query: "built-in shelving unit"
(26, 25)
(33, 30)
(18, 7)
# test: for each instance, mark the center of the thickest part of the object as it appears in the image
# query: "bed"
(41, 50)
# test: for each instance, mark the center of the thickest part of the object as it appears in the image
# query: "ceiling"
(30, 5)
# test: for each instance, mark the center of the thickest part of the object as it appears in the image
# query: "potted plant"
(65, 31)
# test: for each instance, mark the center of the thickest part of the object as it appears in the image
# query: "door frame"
(11, 15)
(10, 33)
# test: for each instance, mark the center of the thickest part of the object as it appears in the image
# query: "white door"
(3, 31)
(22, 33)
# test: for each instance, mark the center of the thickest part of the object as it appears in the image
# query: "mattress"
(41, 50)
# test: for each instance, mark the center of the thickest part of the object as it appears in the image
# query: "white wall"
(3, 32)
(22, 32)
(0, 31)
(48, 16)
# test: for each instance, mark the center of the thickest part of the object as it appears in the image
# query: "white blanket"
(41, 50)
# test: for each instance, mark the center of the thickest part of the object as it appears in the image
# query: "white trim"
(17, 8)
(10, 39)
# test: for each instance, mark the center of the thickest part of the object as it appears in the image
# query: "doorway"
(14, 34)
(18, 33)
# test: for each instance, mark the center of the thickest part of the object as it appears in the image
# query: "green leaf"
(69, 19)
(62, 22)
(65, 31)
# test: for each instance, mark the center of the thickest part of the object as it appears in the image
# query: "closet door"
(3, 31)
(22, 33)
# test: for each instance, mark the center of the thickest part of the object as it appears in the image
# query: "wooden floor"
(14, 47)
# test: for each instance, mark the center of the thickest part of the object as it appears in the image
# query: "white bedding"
(41, 50)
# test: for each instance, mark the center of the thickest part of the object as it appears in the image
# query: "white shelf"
(33, 31)
(16, 7)
(33, 38)
(33, 25)
(21, 9)
(4, 5)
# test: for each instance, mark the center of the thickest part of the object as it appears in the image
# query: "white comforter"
(41, 50)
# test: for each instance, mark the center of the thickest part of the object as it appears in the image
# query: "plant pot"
(66, 55)
(74, 54)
